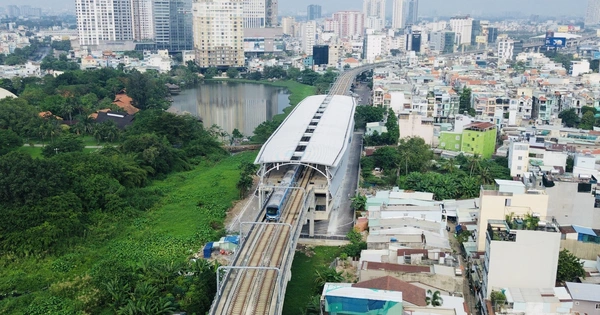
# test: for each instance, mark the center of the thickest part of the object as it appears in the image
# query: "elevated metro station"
(316, 135)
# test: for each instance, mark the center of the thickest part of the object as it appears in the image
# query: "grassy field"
(302, 286)
(190, 207)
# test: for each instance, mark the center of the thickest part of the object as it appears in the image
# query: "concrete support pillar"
(311, 222)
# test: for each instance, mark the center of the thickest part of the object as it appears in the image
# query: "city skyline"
(426, 8)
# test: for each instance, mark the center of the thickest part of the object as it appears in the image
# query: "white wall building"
(414, 125)
(374, 47)
(579, 67)
(518, 158)
(398, 14)
(462, 27)
(143, 21)
(592, 14)
(218, 33)
(374, 11)
(103, 20)
(505, 49)
(309, 36)
(585, 166)
(351, 23)
(517, 258)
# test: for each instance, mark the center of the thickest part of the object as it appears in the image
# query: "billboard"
(556, 42)
(563, 29)
(481, 39)
(596, 55)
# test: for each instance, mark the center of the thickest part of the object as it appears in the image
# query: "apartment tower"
(103, 20)
(398, 14)
(218, 33)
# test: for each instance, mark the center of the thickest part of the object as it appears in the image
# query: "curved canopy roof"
(317, 131)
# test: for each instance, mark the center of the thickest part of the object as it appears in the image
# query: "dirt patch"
(238, 206)
(307, 250)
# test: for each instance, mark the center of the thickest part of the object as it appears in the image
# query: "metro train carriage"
(279, 196)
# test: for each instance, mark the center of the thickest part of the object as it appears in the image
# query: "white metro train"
(280, 195)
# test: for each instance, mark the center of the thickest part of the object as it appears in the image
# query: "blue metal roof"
(584, 230)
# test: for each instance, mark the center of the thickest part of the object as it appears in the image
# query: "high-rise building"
(13, 10)
(320, 55)
(288, 25)
(313, 12)
(173, 26)
(449, 38)
(415, 41)
(309, 36)
(103, 20)
(462, 26)
(412, 12)
(260, 13)
(351, 23)
(592, 14)
(218, 33)
(398, 14)
(374, 11)
(374, 47)
(476, 30)
(143, 24)
(492, 35)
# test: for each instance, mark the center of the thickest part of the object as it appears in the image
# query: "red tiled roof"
(126, 103)
(410, 293)
(371, 265)
(480, 125)
(566, 229)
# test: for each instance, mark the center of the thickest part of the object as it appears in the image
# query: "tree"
(9, 140)
(570, 164)
(325, 275)
(588, 120)
(386, 158)
(63, 144)
(365, 114)
(359, 202)
(434, 298)
(211, 73)
(498, 299)
(393, 130)
(415, 155)
(465, 100)
(569, 117)
(569, 267)
(232, 72)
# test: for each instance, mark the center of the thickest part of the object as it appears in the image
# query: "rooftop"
(584, 291)
(315, 132)
(503, 230)
(410, 293)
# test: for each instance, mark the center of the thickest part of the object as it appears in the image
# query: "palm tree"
(327, 275)
(486, 175)
(474, 163)
(434, 298)
(449, 166)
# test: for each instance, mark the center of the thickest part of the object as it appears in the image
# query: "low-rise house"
(586, 297)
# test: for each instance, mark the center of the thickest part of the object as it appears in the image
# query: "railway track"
(252, 291)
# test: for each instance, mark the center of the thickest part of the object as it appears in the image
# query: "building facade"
(462, 26)
(103, 20)
(218, 33)
(374, 11)
(320, 55)
(173, 26)
(143, 24)
(592, 14)
(350, 23)
(313, 12)
(518, 158)
(260, 13)
(309, 36)
(480, 139)
(412, 12)
(398, 14)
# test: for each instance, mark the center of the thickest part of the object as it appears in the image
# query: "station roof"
(327, 142)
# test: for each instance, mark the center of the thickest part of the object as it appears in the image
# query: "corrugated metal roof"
(584, 291)
(583, 230)
(329, 138)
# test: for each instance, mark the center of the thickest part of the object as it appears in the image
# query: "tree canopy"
(569, 267)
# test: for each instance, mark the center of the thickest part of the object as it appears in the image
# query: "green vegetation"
(304, 278)
(132, 252)
(357, 244)
(587, 121)
(434, 298)
(366, 114)
(411, 165)
(385, 138)
(498, 299)
(465, 102)
(569, 267)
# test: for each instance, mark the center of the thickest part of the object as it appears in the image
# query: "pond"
(232, 105)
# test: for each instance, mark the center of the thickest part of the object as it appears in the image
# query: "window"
(518, 168)
(443, 144)
(507, 202)
(456, 146)
(457, 137)
(520, 158)
(597, 305)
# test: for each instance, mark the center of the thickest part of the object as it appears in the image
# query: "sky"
(452, 7)
(426, 7)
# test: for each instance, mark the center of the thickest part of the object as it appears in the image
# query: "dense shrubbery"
(411, 165)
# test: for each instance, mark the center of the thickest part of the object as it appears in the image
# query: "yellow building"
(506, 197)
